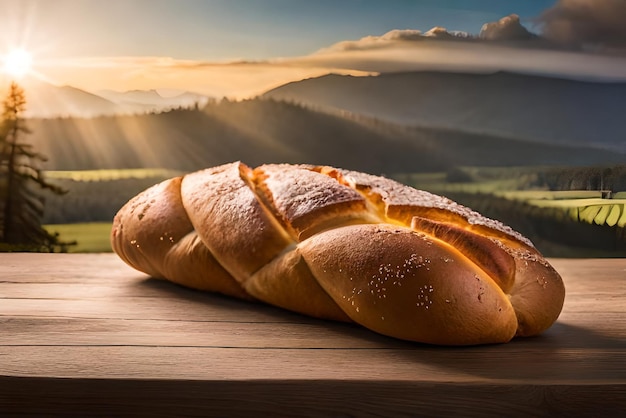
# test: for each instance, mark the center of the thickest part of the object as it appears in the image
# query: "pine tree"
(21, 207)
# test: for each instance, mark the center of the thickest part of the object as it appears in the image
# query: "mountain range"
(390, 123)
(263, 130)
(46, 100)
(152, 101)
(522, 106)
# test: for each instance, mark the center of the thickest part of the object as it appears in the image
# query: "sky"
(239, 48)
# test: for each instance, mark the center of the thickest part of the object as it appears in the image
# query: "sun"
(17, 62)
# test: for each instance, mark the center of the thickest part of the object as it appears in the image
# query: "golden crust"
(287, 282)
(190, 263)
(232, 222)
(538, 293)
(406, 284)
(152, 233)
(343, 245)
(306, 201)
(147, 227)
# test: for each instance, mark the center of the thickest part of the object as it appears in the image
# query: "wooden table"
(84, 334)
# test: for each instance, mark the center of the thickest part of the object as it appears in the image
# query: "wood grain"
(84, 334)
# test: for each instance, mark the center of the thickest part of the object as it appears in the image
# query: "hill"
(143, 101)
(47, 100)
(261, 131)
(544, 109)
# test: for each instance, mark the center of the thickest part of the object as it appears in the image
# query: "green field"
(92, 237)
(112, 174)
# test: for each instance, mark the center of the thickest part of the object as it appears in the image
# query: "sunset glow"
(240, 49)
(17, 63)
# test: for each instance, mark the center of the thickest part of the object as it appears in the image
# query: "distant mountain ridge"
(528, 107)
(50, 101)
(152, 100)
(46, 100)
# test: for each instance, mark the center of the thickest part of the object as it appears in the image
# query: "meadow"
(85, 213)
(90, 237)
(566, 223)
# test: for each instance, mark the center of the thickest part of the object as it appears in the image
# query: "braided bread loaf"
(342, 245)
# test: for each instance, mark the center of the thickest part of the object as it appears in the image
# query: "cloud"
(586, 22)
(476, 56)
(508, 28)
(374, 41)
(400, 35)
(442, 33)
(392, 37)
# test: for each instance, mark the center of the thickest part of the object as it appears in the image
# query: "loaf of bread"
(342, 245)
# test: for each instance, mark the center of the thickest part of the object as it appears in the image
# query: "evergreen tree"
(22, 207)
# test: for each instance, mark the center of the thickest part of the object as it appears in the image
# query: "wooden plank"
(115, 332)
(206, 309)
(311, 398)
(501, 365)
(568, 333)
(65, 268)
